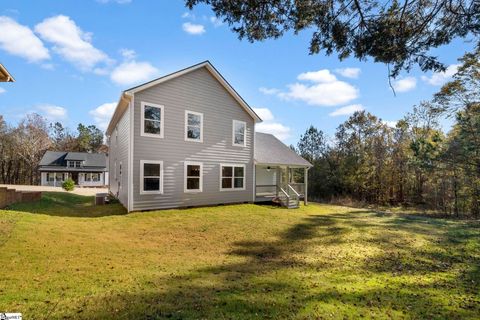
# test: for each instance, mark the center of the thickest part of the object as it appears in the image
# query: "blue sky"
(71, 59)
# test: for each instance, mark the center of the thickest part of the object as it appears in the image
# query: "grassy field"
(64, 258)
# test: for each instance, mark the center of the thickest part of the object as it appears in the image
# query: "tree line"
(22, 146)
(414, 163)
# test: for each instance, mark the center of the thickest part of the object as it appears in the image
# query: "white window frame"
(76, 164)
(142, 123)
(115, 170)
(142, 163)
(96, 174)
(187, 112)
(192, 163)
(244, 144)
(233, 165)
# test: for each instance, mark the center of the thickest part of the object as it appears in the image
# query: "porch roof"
(270, 150)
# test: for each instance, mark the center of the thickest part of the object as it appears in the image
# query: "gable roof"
(126, 95)
(59, 158)
(270, 150)
(5, 76)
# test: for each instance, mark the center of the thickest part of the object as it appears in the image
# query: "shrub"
(68, 184)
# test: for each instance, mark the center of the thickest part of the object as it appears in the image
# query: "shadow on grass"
(272, 279)
(65, 204)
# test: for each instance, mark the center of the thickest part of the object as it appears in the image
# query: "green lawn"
(64, 258)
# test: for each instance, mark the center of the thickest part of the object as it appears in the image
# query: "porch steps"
(292, 204)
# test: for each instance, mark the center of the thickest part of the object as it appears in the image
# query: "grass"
(64, 258)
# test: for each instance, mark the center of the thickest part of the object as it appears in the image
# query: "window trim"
(142, 163)
(244, 134)
(186, 126)
(142, 120)
(193, 163)
(233, 165)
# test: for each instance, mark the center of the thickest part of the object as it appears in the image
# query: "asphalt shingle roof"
(59, 159)
(270, 150)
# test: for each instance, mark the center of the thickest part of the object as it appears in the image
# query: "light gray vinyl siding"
(196, 91)
(118, 152)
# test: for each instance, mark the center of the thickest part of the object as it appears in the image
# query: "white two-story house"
(188, 139)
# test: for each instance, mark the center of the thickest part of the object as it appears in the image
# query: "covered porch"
(284, 184)
(281, 175)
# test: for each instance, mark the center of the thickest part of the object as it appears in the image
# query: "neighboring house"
(188, 139)
(86, 169)
(5, 76)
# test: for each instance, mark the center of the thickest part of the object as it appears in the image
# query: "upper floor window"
(152, 120)
(193, 126)
(239, 131)
(193, 176)
(74, 164)
(151, 176)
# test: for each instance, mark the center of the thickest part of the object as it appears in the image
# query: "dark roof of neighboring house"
(270, 150)
(55, 159)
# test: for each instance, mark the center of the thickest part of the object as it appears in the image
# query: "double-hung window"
(238, 133)
(151, 177)
(152, 120)
(193, 126)
(193, 176)
(232, 177)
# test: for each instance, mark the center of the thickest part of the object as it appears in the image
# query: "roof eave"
(122, 105)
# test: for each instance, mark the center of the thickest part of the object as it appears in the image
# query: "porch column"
(54, 179)
(288, 179)
(305, 183)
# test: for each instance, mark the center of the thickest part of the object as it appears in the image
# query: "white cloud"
(216, 22)
(268, 91)
(128, 54)
(73, 44)
(187, 14)
(192, 28)
(404, 84)
(131, 72)
(277, 129)
(269, 125)
(2, 90)
(326, 89)
(52, 112)
(102, 114)
(321, 76)
(322, 94)
(347, 110)
(439, 78)
(19, 40)
(264, 113)
(391, 124)
(352, 73)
